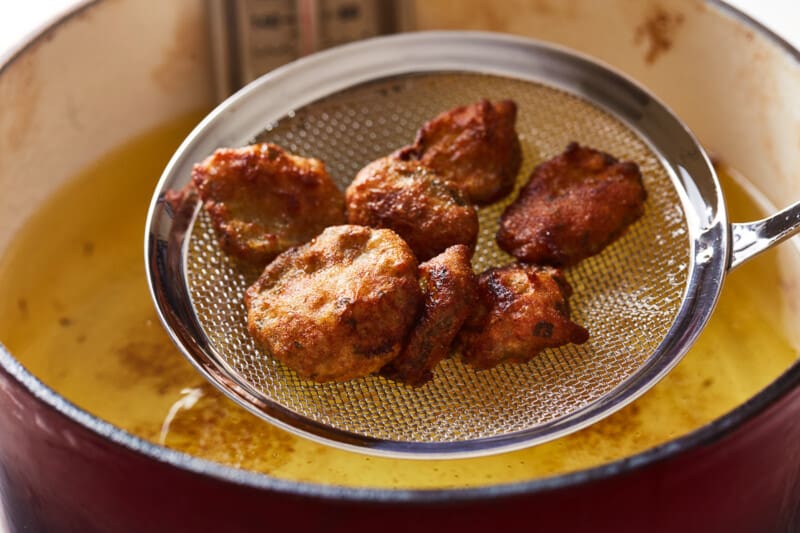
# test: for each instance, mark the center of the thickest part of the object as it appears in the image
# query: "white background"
(20, 18)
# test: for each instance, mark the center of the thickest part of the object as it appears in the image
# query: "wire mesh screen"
(627, 296)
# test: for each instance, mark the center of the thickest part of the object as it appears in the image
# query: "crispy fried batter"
(449, 290)
(573, 206)
(262, 199)
(474, 146)
(338, 307)
(523, 309)
(414, 201)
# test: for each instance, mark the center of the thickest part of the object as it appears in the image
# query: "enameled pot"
(110, 70)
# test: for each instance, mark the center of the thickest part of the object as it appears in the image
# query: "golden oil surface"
(76, 312)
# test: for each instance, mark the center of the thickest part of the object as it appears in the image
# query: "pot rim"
(705, 435)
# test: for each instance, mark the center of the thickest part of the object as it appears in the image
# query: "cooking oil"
(77, 313)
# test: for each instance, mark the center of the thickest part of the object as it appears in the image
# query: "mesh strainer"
(644, 299)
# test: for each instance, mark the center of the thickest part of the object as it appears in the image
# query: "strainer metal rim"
(245, 114)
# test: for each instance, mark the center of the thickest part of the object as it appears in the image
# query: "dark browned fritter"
(263, 200)
(573, 206)
(449, 290)
(416, 202)
(339, 307)
(522, 310)
(474, 146)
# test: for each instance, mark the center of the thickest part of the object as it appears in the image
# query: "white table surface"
(20, 18)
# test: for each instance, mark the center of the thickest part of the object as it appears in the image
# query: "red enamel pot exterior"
(59, 475)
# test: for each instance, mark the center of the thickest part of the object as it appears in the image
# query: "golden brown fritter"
(449, 290)
(263, 200)
(474, 146)
(338, 307)
(573, 206)
(522, 310)
(414, 201)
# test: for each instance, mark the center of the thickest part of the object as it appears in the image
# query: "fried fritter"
(522, 310)
(449, 290)
(414, 201)
(338, 307)
(475, 146)
(573, 206)
(263, 200)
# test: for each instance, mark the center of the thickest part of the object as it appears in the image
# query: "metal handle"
(753, 238)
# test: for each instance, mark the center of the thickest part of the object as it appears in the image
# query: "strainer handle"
(752, 238)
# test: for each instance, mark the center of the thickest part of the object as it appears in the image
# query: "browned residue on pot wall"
(19, 99)
(181, 57)
(657, 32)
(524, 17)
